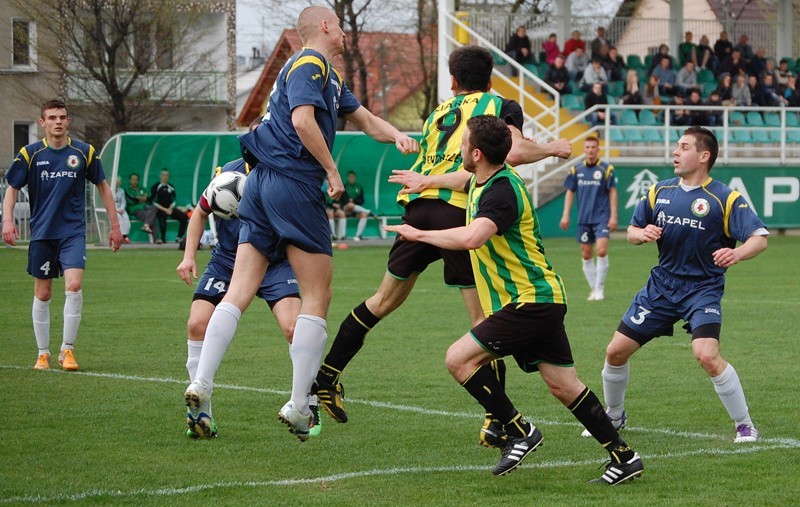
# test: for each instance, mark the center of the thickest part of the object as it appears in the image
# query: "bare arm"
(469, 237)
(639, 235)
(311, 136)
(194, 232)
(727, 257)
(107, 196)
(414, 182)
(569, 198)
(613, 198)
(525, 151)
(382, 131)
(10, 233)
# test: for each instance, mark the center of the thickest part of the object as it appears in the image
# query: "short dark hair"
(491, 135)
(704, 140)
(351, 172)
(472, 67)
(131, 175)
(53, 104)
(164, 169)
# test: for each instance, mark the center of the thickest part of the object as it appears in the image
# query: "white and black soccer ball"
(224, 193)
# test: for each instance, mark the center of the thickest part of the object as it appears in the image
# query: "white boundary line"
(766, 444)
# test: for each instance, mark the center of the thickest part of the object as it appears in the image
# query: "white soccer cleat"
(592, 296)
(745, 433)
(297, 423)
(599, 295)
(198, 411)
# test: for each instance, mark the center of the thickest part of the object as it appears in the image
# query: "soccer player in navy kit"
(595, 185)
(283, 209)
(696, 222)
(55, 169)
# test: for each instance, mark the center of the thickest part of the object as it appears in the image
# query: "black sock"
(499, 368)
(589, 411)
(486, 389)
(348, 342)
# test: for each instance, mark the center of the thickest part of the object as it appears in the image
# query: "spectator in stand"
(757, 96)
(759, 64)
(519, 48)
(697, 117)
(686, 78)
(594, 73)
(769, 68)
(782, 72)
(790, 97)
(614, 64)
(139, 207)
(740, 92)
(724, 88)
(714, 117)
(551, 50)
(723, 47)
(745, 49)
(650, 94)
(771, 92)
(733, 63)
(687, 50)
(633, 95)
(679, 117)
(666, 77)
(576, 63)
(163, 197)
(598, 97)
(122, 215)
(663, 52)
(598, 43)
(558, 76)
(574, 43)
(706, 58)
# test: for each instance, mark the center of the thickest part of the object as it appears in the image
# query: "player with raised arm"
(696, 222)
(56, 169)
(594, 184)
(282, 211)
(428, 205)
(523, 300)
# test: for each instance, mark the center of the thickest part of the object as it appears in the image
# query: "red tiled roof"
(399, 59)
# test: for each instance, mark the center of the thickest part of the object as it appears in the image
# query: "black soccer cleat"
(330, 398)
(515, 450)
(492, 434)
(617, 473)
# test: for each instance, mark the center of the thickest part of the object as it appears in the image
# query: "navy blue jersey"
(306, 79)
(56, 180)
(591, 185)
(227, 229)
(695, 224)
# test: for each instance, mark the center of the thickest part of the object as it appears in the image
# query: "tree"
(125, 59)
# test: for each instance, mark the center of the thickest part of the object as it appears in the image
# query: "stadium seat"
(791, 119)
(532, 68)
(772, 119)
(741, 136)
(643, 76)
(498, 60)
(647, 117)
(616, 88)
(736, 119)
(635, 62)
(775, 135)
(629, 117)
(760, 136)
(648, 61)
(652, 135)
(633, 135)
(754, 119)
(675, 134)
(789, 60)
(617, 136)
(706, 76)
(793, 136)
(571, 102)
(542, 67)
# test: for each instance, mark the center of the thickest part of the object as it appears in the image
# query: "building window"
(24, 134)
(24, 35)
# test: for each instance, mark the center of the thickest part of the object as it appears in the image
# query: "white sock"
(730, 392)
(41, 324)
(590, 272)
(342, 228)
(308, 345)
(332, 226)
(194, 347)
(362, 222)
(615, 382)
(73, 305)
(219, 334)
(602, 271)
(312, 399)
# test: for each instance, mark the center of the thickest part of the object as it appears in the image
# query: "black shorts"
(407, 257)
(531, 332)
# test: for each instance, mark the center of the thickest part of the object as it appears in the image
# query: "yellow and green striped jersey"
(440, 146)
(511, 266)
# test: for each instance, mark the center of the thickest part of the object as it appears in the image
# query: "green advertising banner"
(774, 192)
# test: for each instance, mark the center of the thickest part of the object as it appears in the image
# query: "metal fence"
(171, 86)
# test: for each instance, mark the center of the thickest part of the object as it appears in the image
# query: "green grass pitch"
(113, 433)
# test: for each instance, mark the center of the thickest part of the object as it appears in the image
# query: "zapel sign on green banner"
(774, 192)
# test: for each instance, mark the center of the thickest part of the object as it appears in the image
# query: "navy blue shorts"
(667, 299)
(587, 234)
(48, 258)
(278, 283)
(277, 211)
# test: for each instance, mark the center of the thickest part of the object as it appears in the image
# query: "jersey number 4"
(219, 285)
(45, 268)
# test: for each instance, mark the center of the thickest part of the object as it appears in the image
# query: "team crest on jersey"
(72, 161)
(700, 207)
(598, 174)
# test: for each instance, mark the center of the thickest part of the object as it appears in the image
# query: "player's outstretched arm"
(10, 233)
(639, 235)
(727, 257)
(107, 196)
(526, 151)
(305, 124)
(469, 237)
(382, 131)
(187, 269)
(414, 182)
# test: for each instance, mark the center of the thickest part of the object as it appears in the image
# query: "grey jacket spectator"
(576, 62)
(740, 93)
(686, 78)
(594, 73)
